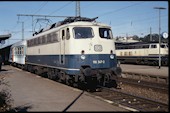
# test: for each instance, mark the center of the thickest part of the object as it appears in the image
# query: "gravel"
(146, 92)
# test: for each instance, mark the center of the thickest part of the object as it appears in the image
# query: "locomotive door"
(62, 47)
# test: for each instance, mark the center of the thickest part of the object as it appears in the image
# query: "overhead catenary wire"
(38, 10)
(117, 10)
(60, 8)
(101, 15)
(42, 6)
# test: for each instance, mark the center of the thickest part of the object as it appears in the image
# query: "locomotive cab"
(93, 51)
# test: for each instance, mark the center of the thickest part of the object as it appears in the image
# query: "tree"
(135, 37)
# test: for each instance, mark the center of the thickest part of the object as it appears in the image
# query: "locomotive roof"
(73, 21)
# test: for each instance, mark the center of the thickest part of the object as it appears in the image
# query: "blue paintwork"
(74, 62)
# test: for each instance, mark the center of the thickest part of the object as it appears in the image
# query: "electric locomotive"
(77, 50)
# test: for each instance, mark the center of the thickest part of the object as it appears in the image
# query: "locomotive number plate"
(98, 61)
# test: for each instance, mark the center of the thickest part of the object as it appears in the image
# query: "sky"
(125, 17)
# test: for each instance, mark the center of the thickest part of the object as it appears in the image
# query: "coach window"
(153, 46)
(19, 50)
(22, 50)
(67, 34)
(16, 50)
(163, 46)
(121, 54)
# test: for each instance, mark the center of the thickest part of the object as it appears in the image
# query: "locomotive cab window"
(83, 32)
(105, 33)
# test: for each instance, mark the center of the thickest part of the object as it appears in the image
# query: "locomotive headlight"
(83, 57)
(111, 56)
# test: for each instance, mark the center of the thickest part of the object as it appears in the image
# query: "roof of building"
(4, 37)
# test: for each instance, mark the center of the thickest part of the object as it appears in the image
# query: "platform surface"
(31, 92)
(144, 69)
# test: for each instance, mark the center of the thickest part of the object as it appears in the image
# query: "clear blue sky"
(125, 17)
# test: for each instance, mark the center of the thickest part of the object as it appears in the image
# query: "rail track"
(134, 101)
(129, 101)
(161, 87)
(144, 77)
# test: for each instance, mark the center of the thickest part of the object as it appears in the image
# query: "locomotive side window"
(83, 32)
(36, 41)
(39, 40)
(67, 34)
(43, 40)
(63, 34)
(28, 43)
(105, 33)
(32, 42)
(56, 35)
(49, 38)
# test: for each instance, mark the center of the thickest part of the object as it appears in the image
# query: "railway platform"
(31, 92)
(145, 70)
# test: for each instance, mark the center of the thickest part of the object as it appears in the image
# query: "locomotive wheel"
(137, 61)
(62, 77)
(51, 74)
(164, 63)
(22, 67)
(91, 83)
(69, 80)
(108, 82)
(155, 63)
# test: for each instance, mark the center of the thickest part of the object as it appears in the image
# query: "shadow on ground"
(23, 108)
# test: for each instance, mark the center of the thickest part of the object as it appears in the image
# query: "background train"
(142, 53)
(76, 50)
(4, 52)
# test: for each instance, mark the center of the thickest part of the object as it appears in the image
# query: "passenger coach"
(142, 53)
(18, 54)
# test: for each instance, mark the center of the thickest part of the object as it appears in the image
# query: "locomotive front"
(94, 52)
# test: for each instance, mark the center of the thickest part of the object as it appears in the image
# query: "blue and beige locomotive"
(75, 50)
